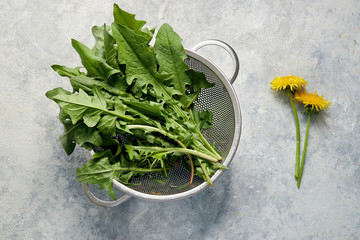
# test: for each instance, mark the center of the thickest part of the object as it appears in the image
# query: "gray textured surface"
(257, 198)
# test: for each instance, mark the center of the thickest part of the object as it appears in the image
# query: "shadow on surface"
(189, 218)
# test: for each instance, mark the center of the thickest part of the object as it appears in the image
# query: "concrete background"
(257, 198)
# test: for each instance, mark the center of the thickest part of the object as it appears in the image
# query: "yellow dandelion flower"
(289, 82)
(312, 103)
(312, 99)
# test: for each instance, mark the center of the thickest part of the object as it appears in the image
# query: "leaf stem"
(207, 177)
(204, 141)
(149, 128)
(176, 150)
(193, 98)
(123, 169)
(91, 105)
(297, 156)
(304, 151)
(207, 144)
(154, 129)
(197, 130)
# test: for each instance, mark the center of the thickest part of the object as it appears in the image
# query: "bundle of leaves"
(134, 105)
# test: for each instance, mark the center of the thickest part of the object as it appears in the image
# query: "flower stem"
(304, 151)
(297, 158)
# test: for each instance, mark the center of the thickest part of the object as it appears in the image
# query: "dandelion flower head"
(312, 100)
(289, 82)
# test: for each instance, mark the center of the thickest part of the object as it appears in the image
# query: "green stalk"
(207, 177)
(149, 128)
(205, 142)
(297, 156)
(154, 129)
(304, 151)
(194, 97)
(176, 150)
(163, 132)
(131, 169)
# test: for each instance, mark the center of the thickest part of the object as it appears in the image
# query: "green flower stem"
(304, 151)
(297, 158)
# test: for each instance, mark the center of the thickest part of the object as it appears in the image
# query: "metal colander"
(221, 100)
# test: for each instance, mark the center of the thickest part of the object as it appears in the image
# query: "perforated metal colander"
(221, 100)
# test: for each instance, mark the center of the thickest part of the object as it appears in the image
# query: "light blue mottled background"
(257, 198)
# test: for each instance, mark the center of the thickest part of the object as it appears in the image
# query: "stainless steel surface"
(102, 203)
(222, 101)
(228, 48)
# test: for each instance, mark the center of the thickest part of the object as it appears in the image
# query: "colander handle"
(228, 48)
(100, 202)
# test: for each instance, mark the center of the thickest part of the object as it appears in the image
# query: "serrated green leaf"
(67, 139)
(100, 172)
(148, 108)
(110, 49)
(125, 178)
(85, 135)
(76, 106)
(198, 80)
(170, 55)
(219, 166)
(84, 83)
(92, 117)
(80, 134)
(128, 20)
(141, 67)
(130, 151)
(202, 119)
(56, 91)
(98, 48)
(107, 125)
(67, 72)
(63, 116)
(119, 106)
(96, 66)
(122, 128)
(116, 85)
(99, 98)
